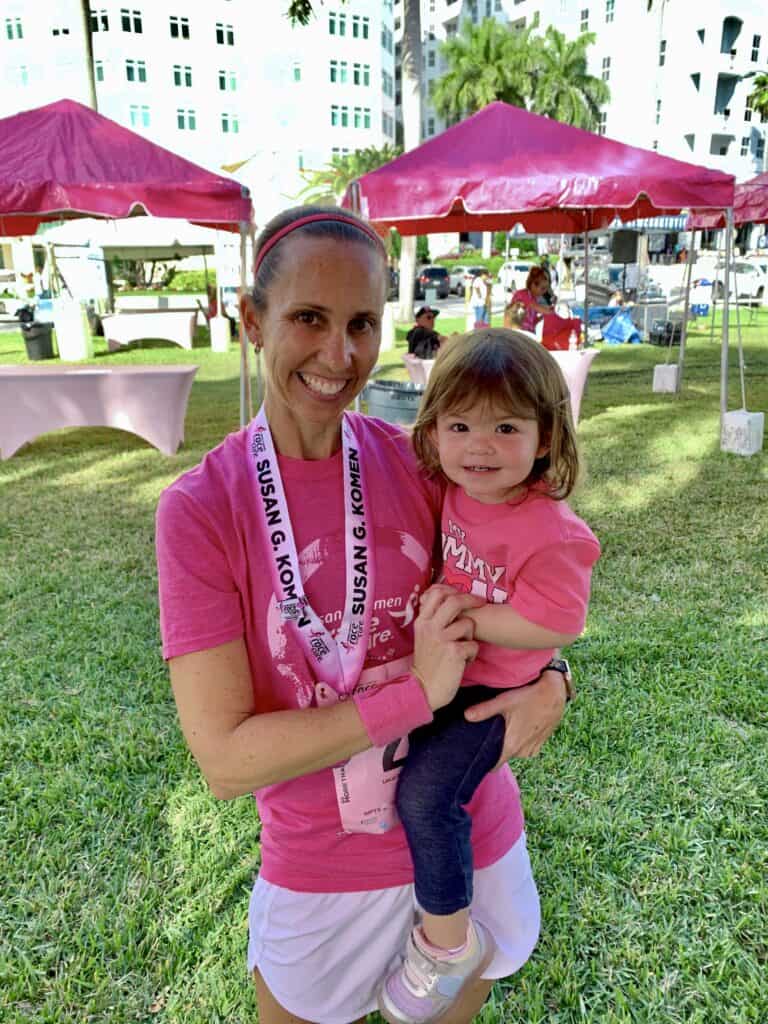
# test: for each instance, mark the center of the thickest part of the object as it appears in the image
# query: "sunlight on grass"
(126, 884)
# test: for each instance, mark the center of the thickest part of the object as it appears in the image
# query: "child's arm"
(501, 625)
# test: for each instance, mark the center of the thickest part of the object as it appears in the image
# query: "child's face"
(487, 453)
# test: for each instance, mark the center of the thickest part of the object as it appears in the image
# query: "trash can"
(395, 401)
(38, 340)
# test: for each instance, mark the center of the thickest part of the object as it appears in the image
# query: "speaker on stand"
(624, 249)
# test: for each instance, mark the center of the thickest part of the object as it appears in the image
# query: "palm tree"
(563, 89)
(758, 99)
(487, 62)
(327, 185)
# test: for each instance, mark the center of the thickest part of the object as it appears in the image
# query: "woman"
(267, 623)
(536, 285)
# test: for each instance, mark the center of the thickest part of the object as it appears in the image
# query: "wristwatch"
(562, 666)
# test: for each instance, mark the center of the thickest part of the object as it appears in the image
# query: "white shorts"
(322, 955)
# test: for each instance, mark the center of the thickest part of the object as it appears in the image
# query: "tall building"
(227, 83)
(680, 73)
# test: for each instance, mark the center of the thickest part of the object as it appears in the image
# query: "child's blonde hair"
(507, 371)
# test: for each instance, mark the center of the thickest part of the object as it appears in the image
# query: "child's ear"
(545, 445)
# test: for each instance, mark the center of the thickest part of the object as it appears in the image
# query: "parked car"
(750, 282)
(462, 277)
(513, 274)
(432, 277)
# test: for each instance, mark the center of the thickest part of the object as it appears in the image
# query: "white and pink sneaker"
(424, 987)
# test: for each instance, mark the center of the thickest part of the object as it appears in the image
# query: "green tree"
(545, 74)
(328, 184)
(758, 98)
(563, 89)
(486, 62)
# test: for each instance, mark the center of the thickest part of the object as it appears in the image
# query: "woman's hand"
(531, 713)
(443, 642)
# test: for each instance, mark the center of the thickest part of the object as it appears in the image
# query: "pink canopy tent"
(504, 166)
(750, 206)
(65, 160)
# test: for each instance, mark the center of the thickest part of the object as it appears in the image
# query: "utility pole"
(85, 16)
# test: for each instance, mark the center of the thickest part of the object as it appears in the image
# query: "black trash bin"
(393, 400)
(38, 340)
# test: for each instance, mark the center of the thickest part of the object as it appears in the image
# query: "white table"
(173, 325)
(575, 367)
(150, 401)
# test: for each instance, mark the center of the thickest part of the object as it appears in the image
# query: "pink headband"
(310, 219)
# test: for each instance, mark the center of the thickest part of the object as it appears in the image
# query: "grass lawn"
(125, 884)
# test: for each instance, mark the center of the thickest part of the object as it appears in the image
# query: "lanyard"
(337, 662)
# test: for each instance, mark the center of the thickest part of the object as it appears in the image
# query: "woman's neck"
(302, 440)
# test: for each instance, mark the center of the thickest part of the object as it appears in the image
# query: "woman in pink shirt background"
(536, 284)
(332, 905)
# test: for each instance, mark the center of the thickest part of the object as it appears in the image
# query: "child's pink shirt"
(215, 587)
(535, 555)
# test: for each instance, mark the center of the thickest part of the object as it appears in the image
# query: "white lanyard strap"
(337, 662)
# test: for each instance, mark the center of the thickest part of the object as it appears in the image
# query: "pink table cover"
(173, 325)
(150, 401)
(575, 367)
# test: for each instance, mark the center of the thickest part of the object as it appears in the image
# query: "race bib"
(367, 782)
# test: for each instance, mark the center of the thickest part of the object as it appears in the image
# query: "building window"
(186, 119)
(601, 120)
(745, 145)
(609, 6)
(366, 117)
(59, 31)
(334, 115)
(696, 79)
(13, 28)
(227, 81)
(655, 144)
(701, 33)
(357, 117)
(488, 11)
(225, 34)
(98, 70)
(755, 48)
(366, 26)
(662, 53)
(388, 125)
(606, 68)
(584, 25)
(130, 20)
(748, 109)
(99, 21)
(387, 39)
(24, 75)
(182, 75)
(296, 71)
(135, 71)
(355, 26)
(139, 116)
(760, 149)
(230, 124)
(361, 74)
(179, 27)
(431, 59)
(337, 24)
(658, 111)
(691, 141)
(345, 117)
(497, 5)
(430, 126)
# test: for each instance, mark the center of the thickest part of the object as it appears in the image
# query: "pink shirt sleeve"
(199, 602)
(393, 709)
(552, 588)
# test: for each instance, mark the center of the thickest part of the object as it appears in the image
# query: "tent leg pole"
(726, 313)
(684, 327)
(586, 282)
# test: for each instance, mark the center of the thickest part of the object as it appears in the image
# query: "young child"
(495, 421)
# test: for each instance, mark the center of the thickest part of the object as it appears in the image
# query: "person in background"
(532, 297)
(293, 563)
(479, 298)
(423, 340)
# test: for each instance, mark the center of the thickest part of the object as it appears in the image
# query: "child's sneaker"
(424, 988)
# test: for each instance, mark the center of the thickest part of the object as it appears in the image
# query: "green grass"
(125, 885)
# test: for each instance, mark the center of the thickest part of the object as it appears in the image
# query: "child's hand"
(443, 642)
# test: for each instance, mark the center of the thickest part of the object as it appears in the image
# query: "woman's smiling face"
(320, 330)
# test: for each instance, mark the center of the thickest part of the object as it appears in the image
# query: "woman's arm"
(531, 713)
(239, 749)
